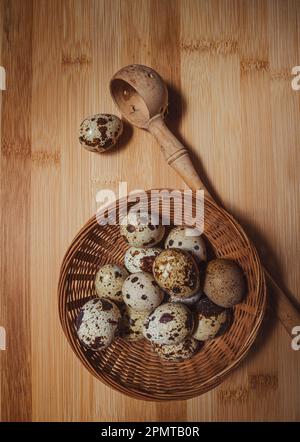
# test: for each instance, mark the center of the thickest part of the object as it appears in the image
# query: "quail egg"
(109, 281)
(224, 282)
(141, 292)
(168, 324)
(177, 352)
(211, 320)
(186, 238)
(176, 272)
(138, 232)
(100, 132)
(132, 324)
(140, 259)
(97, 323)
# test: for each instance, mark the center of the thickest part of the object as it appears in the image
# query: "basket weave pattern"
(133, 368)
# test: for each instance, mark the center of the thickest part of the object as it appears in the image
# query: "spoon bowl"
(140, 93)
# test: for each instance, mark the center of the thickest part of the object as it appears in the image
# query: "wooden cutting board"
(228, 65)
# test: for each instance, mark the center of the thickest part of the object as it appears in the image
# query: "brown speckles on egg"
(109, 281)
(142, 259)
(144, 233)
(176, 272)
(109, 117)
(147, 263)
(97, 344)
(132, 324)
(166, 317)
(169, 323)
(98, 323)
(103, 132)
(92, 143)
(224, 282)
(178, 352)
(112, 321)
(143, 294)
(107, 144)
(102, 120)
(187, 239)
(100, 132)
(211, 320)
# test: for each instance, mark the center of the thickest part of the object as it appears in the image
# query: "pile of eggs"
(173, 296)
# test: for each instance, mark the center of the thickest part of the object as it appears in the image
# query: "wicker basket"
(133, 368)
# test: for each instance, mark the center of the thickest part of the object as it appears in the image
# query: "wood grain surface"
(228, 67)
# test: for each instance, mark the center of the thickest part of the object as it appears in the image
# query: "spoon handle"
(175, 154)
(178, 157)
(283, 308)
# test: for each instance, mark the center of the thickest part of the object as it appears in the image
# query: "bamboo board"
(228, 65)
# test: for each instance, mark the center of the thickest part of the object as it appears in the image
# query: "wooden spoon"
(142, 97)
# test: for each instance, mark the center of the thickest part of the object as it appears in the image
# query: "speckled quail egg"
(177, 352)
(192, 300)
(100, 132)
(187, 239)
(132, 324)
(176, 272)
(138, 232)
(109, 281)
(224, 282)
(211, 320)
(97, 323)
(141, 292)
(168, 324)
(140, 259)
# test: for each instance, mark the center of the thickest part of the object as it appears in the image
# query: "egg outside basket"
(132, 368)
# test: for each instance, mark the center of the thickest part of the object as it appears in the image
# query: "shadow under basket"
(132, 367)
